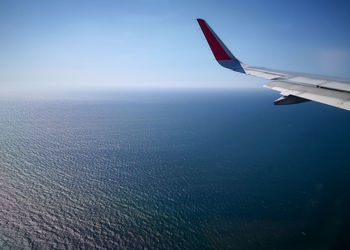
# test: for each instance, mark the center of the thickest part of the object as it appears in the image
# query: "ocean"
(173, 169)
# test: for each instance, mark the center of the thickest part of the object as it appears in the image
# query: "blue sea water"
(173, 169)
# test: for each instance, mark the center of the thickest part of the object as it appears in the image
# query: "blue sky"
(159, 43)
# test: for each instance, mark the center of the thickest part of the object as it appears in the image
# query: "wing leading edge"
(294, 87)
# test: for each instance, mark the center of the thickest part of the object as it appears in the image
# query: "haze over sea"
(173, 169)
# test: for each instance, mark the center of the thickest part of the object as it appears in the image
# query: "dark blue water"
(173, 169)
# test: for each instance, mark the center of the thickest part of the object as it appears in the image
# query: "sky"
(158, 43)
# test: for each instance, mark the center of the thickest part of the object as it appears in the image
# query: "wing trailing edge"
(326, 96)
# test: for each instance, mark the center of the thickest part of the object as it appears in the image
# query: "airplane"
(294, 87)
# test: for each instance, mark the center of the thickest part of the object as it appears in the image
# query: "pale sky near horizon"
(159, 43)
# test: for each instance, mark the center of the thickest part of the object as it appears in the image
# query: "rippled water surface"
(173, 169)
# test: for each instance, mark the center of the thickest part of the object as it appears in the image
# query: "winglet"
(216, 46)
(221, 53)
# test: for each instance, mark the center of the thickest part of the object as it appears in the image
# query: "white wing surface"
(294, 87)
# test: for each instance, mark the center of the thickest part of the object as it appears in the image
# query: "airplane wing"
(294, 87)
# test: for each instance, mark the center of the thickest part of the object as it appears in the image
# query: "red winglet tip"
(215, 46)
